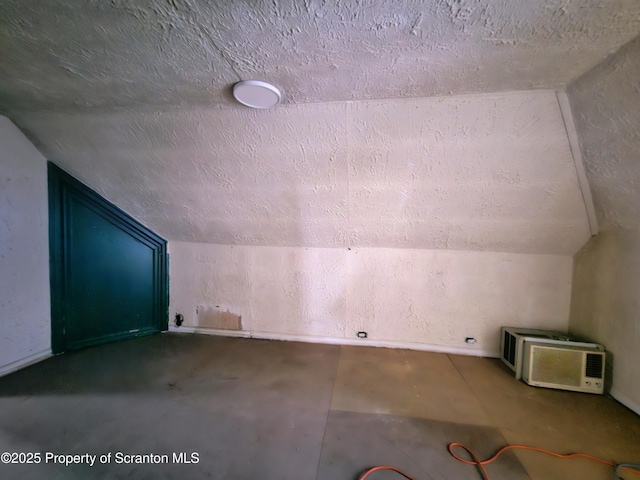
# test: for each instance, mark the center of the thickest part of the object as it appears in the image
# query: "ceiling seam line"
(209, 37)
(348, 141)
(221, 52)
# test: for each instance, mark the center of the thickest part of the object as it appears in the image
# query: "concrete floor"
(265, 410)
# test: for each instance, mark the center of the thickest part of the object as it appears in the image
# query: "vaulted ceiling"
(403, 123)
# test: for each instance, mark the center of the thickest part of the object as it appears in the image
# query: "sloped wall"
(25, 334)
(487, 172)
(605, 302)
(422, 299)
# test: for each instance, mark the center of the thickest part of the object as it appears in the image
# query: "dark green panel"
(108, 272)
(111, 281)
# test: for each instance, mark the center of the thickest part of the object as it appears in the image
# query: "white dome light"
(256, 94)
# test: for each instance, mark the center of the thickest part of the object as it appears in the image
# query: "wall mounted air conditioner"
(512, 344)
(567, 367)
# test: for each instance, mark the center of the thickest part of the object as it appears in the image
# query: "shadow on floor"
(256, 409)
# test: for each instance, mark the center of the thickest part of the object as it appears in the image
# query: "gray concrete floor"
(253, 409)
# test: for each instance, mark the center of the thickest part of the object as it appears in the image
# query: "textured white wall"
(429, 299)
(605, 305)
(25, 332)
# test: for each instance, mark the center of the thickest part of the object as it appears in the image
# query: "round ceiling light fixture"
(256, 94)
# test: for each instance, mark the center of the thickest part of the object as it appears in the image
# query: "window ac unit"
(513, 338)
(566, 367)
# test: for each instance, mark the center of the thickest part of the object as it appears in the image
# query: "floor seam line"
(326, 422)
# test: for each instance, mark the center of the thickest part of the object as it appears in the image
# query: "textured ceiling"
(391, 133)
(606, 103)
(85, 53)
(479, 172)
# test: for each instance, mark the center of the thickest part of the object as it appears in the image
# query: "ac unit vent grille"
(551, 365)
(509, 348)
(593, 368)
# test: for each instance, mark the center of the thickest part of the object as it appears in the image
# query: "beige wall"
(605, 306)
(423, 299)
(605, 303)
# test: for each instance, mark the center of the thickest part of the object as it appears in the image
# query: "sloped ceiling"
(390, 134)
(606, 102)
(490, 172)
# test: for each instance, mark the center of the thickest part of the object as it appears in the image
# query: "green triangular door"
(108, 272)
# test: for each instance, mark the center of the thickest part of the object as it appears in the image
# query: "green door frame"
(63, 189)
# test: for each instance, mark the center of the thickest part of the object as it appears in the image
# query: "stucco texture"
(393, 190)
(477, 172)
(79, 54)
(605, 307)
(408, 297)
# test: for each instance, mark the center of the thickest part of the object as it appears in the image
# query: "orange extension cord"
(481, 463)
